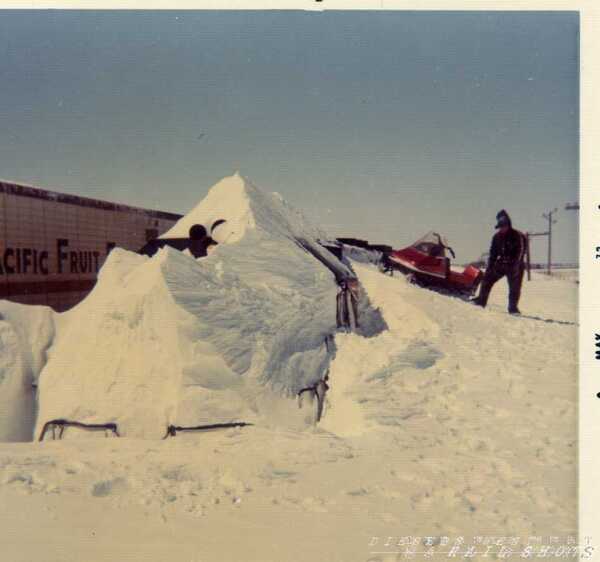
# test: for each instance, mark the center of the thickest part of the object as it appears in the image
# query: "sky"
(379, 125)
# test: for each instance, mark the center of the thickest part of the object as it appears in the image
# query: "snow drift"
(26, 333)
(176, 340)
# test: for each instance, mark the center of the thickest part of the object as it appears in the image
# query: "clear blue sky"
(377, 124)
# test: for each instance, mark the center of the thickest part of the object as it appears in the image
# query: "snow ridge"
(176, 340)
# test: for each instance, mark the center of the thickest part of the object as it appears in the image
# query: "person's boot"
(514, 310)
(478, 302)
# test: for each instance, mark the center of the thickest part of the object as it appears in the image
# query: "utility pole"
(528, 256)
(572, 207)
(551, 221)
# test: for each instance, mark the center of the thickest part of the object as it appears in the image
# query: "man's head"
(503, 222)
(197, 232)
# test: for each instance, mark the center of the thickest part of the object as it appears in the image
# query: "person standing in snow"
(507, 258)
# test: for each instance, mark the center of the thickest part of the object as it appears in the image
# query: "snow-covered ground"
(566, 274)
(442, 419)
(455, 421)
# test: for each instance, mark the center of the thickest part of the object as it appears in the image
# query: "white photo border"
(589, 184)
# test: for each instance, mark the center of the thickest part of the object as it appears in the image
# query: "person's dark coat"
(507, 248)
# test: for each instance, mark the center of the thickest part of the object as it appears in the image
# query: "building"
(52, 245)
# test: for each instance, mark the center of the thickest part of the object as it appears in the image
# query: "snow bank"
(358, 358)
(117, 357)
(175, 340)
(26, 332)
(245, 208)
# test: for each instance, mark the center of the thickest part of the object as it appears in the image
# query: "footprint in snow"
(418, 355)
(105, 488)
(357, 492)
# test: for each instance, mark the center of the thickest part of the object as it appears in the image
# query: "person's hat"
(197, 232)
(502, 219)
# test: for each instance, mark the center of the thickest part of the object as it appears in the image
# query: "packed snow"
(26, 333)
(174, 340)
(442, 419)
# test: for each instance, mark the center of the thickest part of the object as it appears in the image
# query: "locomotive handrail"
(64, 423)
